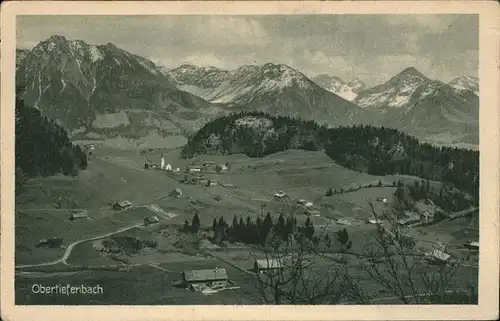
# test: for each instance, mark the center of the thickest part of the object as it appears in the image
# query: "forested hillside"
(42, 147)
(377, 151)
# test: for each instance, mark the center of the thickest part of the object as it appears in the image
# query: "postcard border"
(489, 158)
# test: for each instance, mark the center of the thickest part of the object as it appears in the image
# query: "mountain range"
(276, 89)
(102, 91)
(429, 109)
(347, 90)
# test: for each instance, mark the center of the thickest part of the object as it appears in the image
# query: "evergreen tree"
(195, 225)
(234, 227)
(308, 229)
(343, 238)
(279, 227)
(267, 225)
(214, 225)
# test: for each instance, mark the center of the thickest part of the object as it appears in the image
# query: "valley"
(259, 183)
(246, 190)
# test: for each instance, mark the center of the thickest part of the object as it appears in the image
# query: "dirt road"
(70, 247)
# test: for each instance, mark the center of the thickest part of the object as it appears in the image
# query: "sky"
(370, 47)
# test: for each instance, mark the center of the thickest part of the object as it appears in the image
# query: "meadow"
(247, 189)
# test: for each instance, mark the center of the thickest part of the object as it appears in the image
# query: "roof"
(343, 221)
(474, 244)
(440, 255)
(268, 264)
(79, 214)
(409, 220)
(280, 194)
(205, 275)
(177, 190)
(301, 201)
(373, 221)
(124, 203)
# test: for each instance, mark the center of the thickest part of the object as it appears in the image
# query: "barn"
(151, 220)
(201, 278)
(177, 192)
(52, 242)
(78, 215)
(123, 205)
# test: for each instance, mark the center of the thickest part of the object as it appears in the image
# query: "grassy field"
(119, 174)
(142, 285)
(115, 175)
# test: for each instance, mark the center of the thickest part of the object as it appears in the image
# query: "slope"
(105, 91)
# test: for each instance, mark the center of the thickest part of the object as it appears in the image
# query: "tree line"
(42, 147)
(256, 232)
(446, 197)
(369, 149)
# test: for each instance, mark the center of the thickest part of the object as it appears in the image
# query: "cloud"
(204, 60)
(371, 47)
(237, 31)
(421, 22)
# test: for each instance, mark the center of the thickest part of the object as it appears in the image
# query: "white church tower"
(162, 165)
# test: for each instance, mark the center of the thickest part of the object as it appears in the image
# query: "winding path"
(70, 247)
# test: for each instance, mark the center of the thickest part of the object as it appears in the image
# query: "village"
(217, 269)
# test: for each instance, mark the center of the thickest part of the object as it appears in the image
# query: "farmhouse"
(411, 218)
(89, 146)
(301, 201)
(78, 215)
(280, 196)
(472, 245)
(221, 168)
(426, 216)
(374, 221)
(193, 169)
(197, 279)
(151, 220)
(312, 212)
(52, 242)
(383, 200)
(261, 266)
(209, 164)
(438, 257)
(308, 204)
(177, 192)
(198, 180)
(343, 221)
(203, 181)
(212, 183)
(123, 205)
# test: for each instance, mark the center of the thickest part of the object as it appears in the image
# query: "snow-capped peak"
(347, 90)
(397, 92)
(465, 83)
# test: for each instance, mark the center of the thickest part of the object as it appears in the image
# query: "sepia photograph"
(249, 158)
